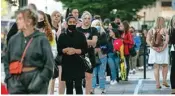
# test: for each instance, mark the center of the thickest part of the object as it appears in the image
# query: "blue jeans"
(100, 71)
(113, 62)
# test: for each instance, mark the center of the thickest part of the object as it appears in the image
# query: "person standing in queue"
(29, 60)
(157, 39)
(128, 44)
(57, 29)
(71, 45)
(14, 29)
(172, 42)
(91, 34)
(44, 26)
(101, 55)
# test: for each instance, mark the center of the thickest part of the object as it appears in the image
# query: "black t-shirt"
(89, 33)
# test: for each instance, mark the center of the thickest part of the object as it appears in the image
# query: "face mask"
(40, 24)
(72, 27)
(98, 28)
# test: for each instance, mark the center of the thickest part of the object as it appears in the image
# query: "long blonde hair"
(157, 24)
(94, 24)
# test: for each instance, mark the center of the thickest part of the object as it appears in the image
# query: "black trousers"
(172, 75)
(27, 83)
(127, 64)
(78, 86)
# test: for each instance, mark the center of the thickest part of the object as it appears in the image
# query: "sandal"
(165, 84)
(158, 87)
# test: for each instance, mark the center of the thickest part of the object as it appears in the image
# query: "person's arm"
(166, 39)
(149, 38)
(92, 42)
(60, 48)
(128, 39)
(6, 63)
(84, 47)
(94, 33)
(47, 71)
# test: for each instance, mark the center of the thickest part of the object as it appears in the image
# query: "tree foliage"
(126, 9)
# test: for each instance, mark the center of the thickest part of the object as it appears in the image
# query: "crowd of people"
(43, 47)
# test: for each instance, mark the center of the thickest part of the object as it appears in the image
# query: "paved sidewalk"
(135, 85)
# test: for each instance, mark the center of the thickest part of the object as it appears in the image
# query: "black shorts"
(90, 71)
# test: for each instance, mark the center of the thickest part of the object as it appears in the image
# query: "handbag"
(132, 50)
(86, 62)
(16, 66)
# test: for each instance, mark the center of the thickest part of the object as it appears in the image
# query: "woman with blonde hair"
(57, 29)
(91, 34)
(157, 39)
(101, 55)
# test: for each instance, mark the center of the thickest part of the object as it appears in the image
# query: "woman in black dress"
(71, 45)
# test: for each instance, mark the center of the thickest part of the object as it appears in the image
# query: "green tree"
(126, 9)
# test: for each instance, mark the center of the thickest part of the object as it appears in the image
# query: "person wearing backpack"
(172, 42)
(157, 39)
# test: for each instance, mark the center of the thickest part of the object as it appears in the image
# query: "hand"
(78, 51)
(65, 50)
(91, 44)
(161, 49)
(155, 48)
(71, 51)
(97, 49)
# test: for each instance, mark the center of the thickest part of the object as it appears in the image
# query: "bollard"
(144, 74)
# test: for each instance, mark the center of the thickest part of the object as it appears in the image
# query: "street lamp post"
(145, 50)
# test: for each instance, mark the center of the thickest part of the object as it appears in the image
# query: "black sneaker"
(92, 93)
(103, 91)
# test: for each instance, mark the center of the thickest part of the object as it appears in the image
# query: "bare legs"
(88, 82)
(156, 75)
(62, 85)
(164, 75)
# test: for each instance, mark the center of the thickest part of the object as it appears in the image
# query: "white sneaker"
(131, 72)
(108, 79)
(113, 82)
(134, 71)
(141, 68)
(150, 67)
